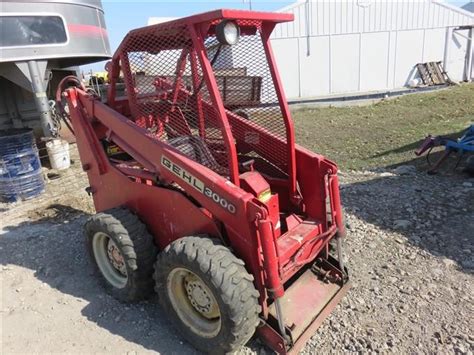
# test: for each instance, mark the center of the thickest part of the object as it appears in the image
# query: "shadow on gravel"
(435, 213)
(57, 255)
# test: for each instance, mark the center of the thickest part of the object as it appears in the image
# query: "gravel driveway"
(410, 251)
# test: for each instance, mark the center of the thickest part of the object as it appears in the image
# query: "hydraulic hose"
(70, 79)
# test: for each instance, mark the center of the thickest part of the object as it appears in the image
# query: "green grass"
(385, 133)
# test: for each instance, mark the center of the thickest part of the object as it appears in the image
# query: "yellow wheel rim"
(194, 302)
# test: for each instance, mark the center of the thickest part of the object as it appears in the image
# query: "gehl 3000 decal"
(197, 184)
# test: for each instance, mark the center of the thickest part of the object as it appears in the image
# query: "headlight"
(228, 32)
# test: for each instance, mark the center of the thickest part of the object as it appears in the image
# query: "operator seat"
(195, 149)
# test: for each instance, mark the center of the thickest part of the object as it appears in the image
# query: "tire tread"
(227, 274)
(136, 245)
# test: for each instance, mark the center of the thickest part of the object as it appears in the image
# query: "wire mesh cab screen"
(168, 95)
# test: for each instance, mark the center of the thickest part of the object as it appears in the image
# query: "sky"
(123, 15)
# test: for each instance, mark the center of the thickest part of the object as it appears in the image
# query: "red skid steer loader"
(201, 192)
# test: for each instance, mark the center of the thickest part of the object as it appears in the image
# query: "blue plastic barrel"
(20, 168)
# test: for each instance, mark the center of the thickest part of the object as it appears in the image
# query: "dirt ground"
(409, 248)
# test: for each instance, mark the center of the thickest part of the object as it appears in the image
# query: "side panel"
(311, 172)
(409, 51)
(315, 68)
(157, 207)
(374, 61)
(456, 59)
(286, 54)
(345, 63)
(434, 45)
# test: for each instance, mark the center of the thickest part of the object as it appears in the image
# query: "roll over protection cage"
(177, 56)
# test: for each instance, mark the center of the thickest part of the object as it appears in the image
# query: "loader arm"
(217, 198)
(159, 159)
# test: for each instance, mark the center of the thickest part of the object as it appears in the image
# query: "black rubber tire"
(136, 246)
(225, 275)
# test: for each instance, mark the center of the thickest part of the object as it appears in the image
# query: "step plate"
(304, 301)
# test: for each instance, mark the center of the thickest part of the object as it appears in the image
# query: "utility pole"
(250, 3)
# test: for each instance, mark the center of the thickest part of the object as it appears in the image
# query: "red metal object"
(86, 30)
(185, 151)
(305, 306)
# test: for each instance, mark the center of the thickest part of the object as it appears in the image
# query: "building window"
(22, 31)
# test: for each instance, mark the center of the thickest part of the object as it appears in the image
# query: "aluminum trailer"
(41, 42)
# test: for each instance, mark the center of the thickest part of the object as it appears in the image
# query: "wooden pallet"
(432, 73)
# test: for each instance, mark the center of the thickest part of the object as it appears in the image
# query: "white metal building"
(338, 47)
